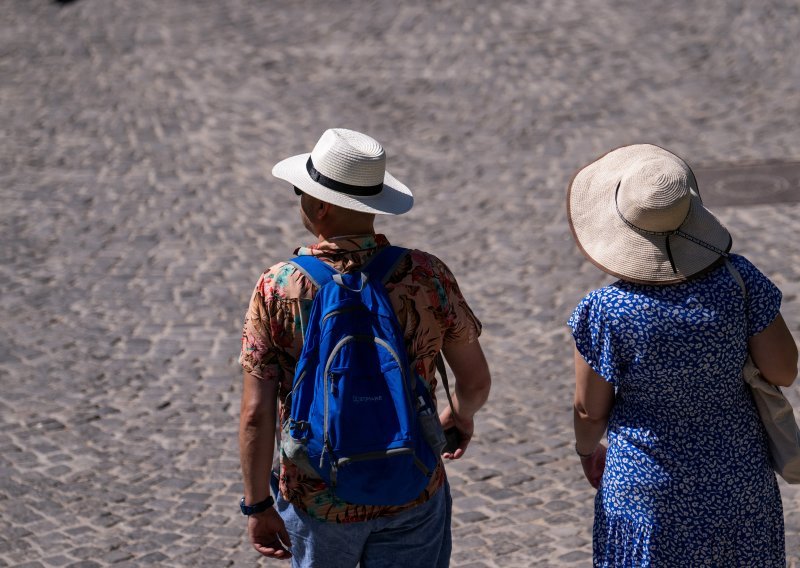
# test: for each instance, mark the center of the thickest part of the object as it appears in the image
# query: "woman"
(686, 478)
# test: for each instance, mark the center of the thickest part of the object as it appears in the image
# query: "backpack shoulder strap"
(318, 272)
(314, 269)
(382, 264)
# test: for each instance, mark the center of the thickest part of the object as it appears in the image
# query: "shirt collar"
(343, 245)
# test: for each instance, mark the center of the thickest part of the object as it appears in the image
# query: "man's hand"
(268, 534)
(473, 382)
(594, 466)
(465, 427)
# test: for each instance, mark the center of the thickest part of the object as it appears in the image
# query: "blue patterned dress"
(687, 479)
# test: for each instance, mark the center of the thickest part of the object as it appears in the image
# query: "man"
(342, 185)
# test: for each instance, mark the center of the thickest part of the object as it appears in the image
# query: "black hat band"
(359, 190)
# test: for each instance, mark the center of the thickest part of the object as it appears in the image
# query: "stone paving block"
(118, 556)
(59, 560)
(155, 558)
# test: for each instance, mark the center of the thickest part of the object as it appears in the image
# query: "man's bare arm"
(257, 421)
(473, 382)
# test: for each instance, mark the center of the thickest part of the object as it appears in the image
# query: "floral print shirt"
(430, 309)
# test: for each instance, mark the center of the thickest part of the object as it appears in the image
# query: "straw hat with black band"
(636, 213)
(348, 169)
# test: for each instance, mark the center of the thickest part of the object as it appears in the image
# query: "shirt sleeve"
(593, 332)
(272, 333)
(763, 297)
(456, 317)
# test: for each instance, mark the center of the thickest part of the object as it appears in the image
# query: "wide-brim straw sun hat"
(348, 169)
(636, 213)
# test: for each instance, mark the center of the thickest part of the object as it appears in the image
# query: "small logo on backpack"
(363, 399)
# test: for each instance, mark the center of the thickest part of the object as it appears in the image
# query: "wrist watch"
(258, 507)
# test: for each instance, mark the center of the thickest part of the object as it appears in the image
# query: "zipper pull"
(334, 462)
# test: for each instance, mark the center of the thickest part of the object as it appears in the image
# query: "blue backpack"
(361, 418)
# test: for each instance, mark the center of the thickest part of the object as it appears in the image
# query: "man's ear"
(323, 209)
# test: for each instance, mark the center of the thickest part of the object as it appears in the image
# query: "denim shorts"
(419, 537)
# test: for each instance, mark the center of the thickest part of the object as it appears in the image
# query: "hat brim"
(609, 243)
(394, 199)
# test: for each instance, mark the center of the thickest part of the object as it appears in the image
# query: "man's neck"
(321, 238)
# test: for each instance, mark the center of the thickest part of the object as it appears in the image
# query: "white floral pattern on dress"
(687, 479)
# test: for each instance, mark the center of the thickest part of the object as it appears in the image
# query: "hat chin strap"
(669, 255)
(668, 234)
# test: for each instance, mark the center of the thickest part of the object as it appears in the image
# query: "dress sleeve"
(594, 336)
(763, 297)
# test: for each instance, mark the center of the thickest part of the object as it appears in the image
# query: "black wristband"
(258, 507)
(584, 456)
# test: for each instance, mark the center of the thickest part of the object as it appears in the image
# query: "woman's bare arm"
(774, 352)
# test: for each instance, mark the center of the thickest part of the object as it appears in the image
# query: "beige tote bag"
(776, 413)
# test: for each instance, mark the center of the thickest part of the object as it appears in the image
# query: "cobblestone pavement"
(137, 211)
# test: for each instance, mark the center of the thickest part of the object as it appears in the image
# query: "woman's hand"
(594, 466)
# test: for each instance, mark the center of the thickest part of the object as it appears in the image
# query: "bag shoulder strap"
(318, 272)
(382, 264)
(736, 276)
(314, 269)
(443, 374)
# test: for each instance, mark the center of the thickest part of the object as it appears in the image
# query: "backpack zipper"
(297, 384)
(396, 357)
(388, 453)
(326, 444)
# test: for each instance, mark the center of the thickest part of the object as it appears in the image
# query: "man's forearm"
(473, 379)
(468, 400)
(255, 447)
(257, 436)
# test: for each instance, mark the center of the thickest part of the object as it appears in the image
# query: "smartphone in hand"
(453, 437)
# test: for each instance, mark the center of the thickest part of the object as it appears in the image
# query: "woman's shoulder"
(606, 300)
(614, 292)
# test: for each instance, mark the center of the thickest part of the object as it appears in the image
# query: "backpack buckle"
(334, 461)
